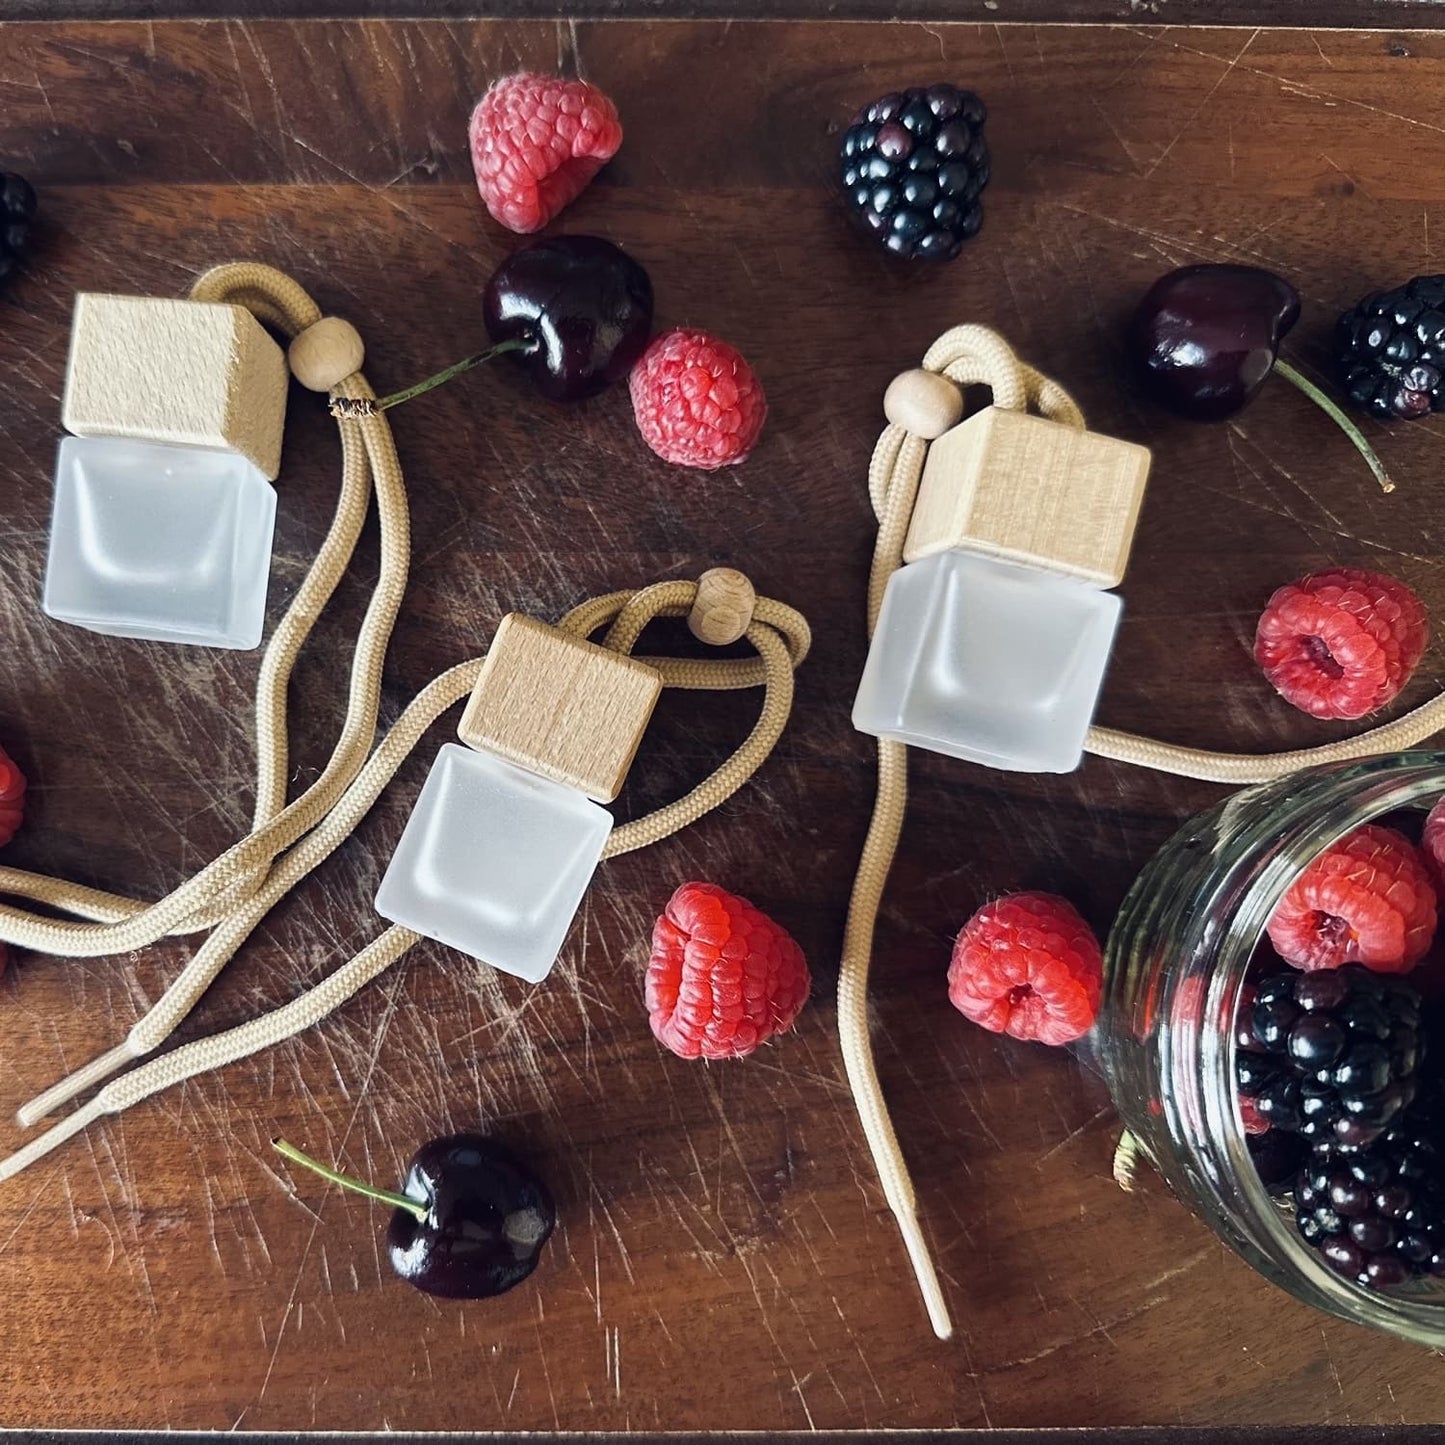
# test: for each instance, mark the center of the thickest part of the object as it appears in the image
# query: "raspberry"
(1432, 841)
(1341, 644)
(1028, 965)
(1254, 1121)
(723, 977)
(12, 801)
(697, 401)
(1366, 899)
(536, 143)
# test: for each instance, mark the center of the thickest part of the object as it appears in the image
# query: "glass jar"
(1175, 965)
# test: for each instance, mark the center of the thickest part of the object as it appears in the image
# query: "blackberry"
(1331, 1055)
(1377, 1215)
(1277, 1157)
(914, 164)
(17, 219)
(1390, 349)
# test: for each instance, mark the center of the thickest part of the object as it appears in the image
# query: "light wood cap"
(1030, 490)
(187, 373)
(924, 403)
(724, 607)
(560, 706)
(326, 353)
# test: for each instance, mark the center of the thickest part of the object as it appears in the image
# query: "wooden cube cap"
(191, 373)
(1034, 491)
(561, 707)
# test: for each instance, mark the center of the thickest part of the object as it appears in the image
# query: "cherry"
(583, 307)
(470, 1221)
(1205, 338)
(574, 312)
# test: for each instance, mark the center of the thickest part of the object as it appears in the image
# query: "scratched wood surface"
(1375, 14)
(724, 1258)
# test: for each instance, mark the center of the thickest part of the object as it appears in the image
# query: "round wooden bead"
(326, 353)
(924, 403)
(724, 607)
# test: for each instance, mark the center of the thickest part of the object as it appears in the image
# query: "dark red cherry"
(1206, 337)
(585, 307)
(487, 1218)
(469, 1222)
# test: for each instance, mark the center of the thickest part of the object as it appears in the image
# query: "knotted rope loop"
(781, 638)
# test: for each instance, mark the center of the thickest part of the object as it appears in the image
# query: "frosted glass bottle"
(162, 542)
(993, 638)
(507, 832)
(494, 861)
(164, 511)
(989, 661)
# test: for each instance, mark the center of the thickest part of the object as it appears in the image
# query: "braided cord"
(781, 638)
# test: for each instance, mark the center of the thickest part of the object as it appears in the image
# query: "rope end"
(924, 1272)
(353, 408)
(97, 1071)
(1126, 1161)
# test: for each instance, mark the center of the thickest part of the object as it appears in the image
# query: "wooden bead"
(923, 402)
(559, 706)
(326, 353)
(191, 373)
(724, 607)
(1029, 490)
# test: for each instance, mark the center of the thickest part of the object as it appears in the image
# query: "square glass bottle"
(507, 831)
(993, 638)
(989, 661)
(164, 511)
(161, 542)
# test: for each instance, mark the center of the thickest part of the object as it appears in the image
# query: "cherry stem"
(345, 406)
(357, 1186)
(1339, 418)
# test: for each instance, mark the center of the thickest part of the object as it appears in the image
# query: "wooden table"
(724, 1257)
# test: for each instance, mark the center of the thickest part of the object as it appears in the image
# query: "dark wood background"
(724, 1258)
(1421, 14)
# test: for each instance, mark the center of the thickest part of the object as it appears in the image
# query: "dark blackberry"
(1277, 1157)
(914, 164)
(1332, 1055)
(17, 220)
(1390, 349)
(1377, 1215)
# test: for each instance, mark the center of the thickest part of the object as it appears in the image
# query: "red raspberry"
(1342, 643)
(723, 977)
(536, 143)
(1366, 899)
(12, 802)
(1029, 966)
(1254, 1121)
(1432, 841)
(697, 401)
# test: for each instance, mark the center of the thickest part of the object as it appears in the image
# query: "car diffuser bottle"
(507, 831)
(164, 509)
(993, 639)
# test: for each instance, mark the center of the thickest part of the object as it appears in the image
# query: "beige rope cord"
(781, 638)
(120, 924)
(211, 897)
(969, 355)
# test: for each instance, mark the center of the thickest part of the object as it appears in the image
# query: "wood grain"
(1033, 491)
(556, 705)
(1321, 14)
(723, 1257)
(185, 372)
